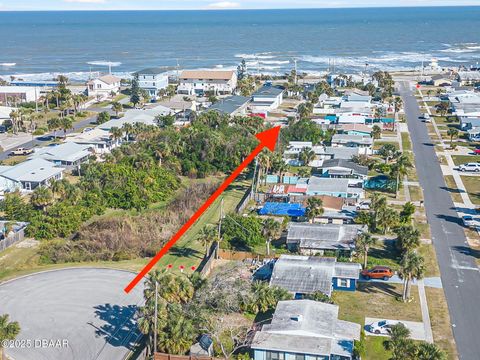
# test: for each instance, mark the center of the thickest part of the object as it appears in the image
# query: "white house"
(10, 95)
(28, 175)
(363, 143)
(152, 80)
(137, 116)
(199, 82)
(98, 139)
(267, 98)
(103, 86)
(68, 154)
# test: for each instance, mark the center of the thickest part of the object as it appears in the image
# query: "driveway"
(459, 271)
(417, 330)
(84, 309)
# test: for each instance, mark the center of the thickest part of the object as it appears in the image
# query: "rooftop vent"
(297, 318)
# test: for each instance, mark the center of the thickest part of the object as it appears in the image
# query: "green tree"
(306, 155)
(53, 125)
(427, 351)
(8, 331)
(363, 243)
(103, 117)
(66, 123)
(388, 152)
(271, 230)
(207, 236)
(42, 197)
(401, 347)
(179, 333)
(135, 93)
(314, 208)
(397, 103)
(452, 133)
(412, 266)
(400, 168)
(408, 238)
(406, 213)
(164, 121)
(266, 297)
(387, 218)
(117, 107)
(116, 133)
(376, 132)
(442, 108)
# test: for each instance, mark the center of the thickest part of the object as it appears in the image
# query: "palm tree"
(427, 351)
(314, 208)
(53, 125)
(66, 124)
(116, 133)
(207, 236)
(271, 229)
(401, 167)
(162, 151)
(363, 243)
(42, 197)
(387, 218)
(178, 334)
(397, 104)
(408, 238)
(8, 331)
(117, 107)
(376, 132)
(388, 152)
(412, 266)
(399, 343)
(14, 118)
(453, 133)
(306, 155)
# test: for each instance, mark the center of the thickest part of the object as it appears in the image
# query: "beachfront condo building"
(200, 82)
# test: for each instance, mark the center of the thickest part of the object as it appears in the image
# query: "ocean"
(39, 45)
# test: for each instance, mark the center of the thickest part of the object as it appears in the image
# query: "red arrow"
(267, 139)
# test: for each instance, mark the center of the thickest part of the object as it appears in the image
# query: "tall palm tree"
(453, 133)
(400, 168)
(117, 107)
(53, 125)
(42, 197)
(398, 102)
(387, 218)
(116, 133)
(412, 266)
(162, 151)
(207, 236)
(306, 155)
(376, 132)
(178, 334)
(8, 331)
(408, 238)
(271, 229)
(363, 243)
(314, 208)
(66, 124)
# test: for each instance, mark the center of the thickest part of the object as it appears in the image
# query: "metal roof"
(230, 104)
(344, 163)
(68, 151)
(346, 138)
(268, 91)
(317, 184)
(34, 170)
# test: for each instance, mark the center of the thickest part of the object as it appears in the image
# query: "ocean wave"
(255, 56)
(462, 48)
(73, 76)
(8, 64)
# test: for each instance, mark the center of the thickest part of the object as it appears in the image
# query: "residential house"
(311, 239)
(11, 95)
(303, 275)
(232, 105)
(330, 152)
(28, 175)
(343, 169)
(152, 80)
(474, 134)
(68, 155)
(351, 118)
(468, 77)
(306, 330)
(363, 143)
(200, 82)
(103, 86)
(267, 98)
(441, 80)
(469, 122)
(137, 116)
(98, 139)
(334, 187)
(356, 129)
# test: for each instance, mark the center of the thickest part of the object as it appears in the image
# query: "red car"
(476, 151)
(378, 272)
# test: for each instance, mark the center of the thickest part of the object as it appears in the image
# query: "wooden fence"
(11, 239)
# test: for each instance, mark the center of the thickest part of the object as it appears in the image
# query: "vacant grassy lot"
(462, 159)
(415, 192)
(440, 319)
(472, 184)
(406, 144)
(378, 144)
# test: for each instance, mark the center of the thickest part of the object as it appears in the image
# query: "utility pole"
(155, 319)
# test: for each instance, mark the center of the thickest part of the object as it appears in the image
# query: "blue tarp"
(274, 208)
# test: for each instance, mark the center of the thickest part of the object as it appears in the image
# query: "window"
(299, 356)
(274, 355)
(343, 282)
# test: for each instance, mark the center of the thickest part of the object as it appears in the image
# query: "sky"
(25, 5)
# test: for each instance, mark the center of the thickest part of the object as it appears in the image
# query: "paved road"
(459, 272)
(41, 140)
(85, 307)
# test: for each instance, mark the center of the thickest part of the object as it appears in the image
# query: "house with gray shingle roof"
(303, 275)
(305, 329)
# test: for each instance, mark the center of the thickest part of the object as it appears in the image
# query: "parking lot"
(74, 314)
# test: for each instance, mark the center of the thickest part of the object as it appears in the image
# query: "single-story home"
(342, 168)
(306, 330)
(356, 129)
(267, 98)
(440, 80)
(28, 175)
(351, 119)
(232, 105)
(68, 154)
(137, 116)
(363, 143)
(311, 239)
(474, 134)
(469, 122)
(98, 139)
(468, 77)
(303, 275)
(333, 187)
(12, 95)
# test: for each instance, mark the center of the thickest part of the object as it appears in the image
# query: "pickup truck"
(21, 152)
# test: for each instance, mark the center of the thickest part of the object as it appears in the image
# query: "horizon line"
(244, 9)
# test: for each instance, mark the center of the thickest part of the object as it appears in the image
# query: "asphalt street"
(459, 272)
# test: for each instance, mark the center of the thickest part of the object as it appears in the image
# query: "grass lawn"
(452, 188)
(187, 252)
(415, 193)
(378, 144)
(472, 184)
(382, 253)
(374, 348)
(461, 159)
(406, 144)
(440, 319)
(431, 265)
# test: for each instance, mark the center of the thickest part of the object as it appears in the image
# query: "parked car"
(475, 167)
(425, 117)
(476, 151)
(363, 205)
(382, 327)
(21, 152)
(378, 272)
(468, 221)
